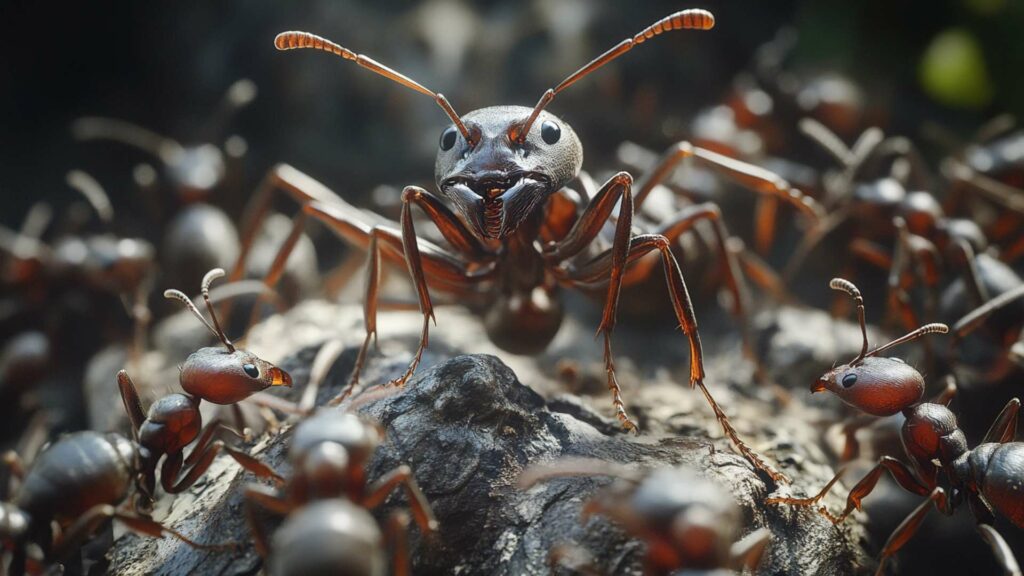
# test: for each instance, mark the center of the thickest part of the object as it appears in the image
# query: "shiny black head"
(495, 179)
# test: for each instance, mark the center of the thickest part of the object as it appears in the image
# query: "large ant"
(687, 522)
(988, 476)
(326, 501)
(500, 171)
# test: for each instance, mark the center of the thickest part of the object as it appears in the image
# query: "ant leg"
(812, 500)
(397, 530)
(812, 238)
(899, 471)
(750, 176)
(764, 223)
(87, 523)
(908, 527)
(746, 554)
(132, 404)
(617, 189)
(947, 394)
(1000, 549)
(1004, 428)
(421, 510)
(258, 497)
(253, 465)
(202, 462)
(596, 270)
(760, 272)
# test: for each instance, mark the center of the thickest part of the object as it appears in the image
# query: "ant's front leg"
(199, 460)
(402, 475)
(1004, 427)
(1000, 549)
(903, 533)
(617, 189)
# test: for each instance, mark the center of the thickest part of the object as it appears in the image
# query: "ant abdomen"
(999, 470)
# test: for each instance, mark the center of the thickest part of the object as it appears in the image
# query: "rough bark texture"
(468, 426)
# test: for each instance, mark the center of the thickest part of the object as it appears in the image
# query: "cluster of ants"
(517, 221)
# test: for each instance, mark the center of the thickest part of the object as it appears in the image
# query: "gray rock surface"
(468, 426)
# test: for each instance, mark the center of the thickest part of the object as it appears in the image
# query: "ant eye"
(448, 138)
(550, 132)
(849, 380)
(251, 370)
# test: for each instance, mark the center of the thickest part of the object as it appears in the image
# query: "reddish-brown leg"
(253, 465)
(908, 527)
(1004, 428)
(259, 497)
(131, 401)
(397, 534)
(93, 518)
(1000, 549)
(899, 471)
(812, 500)
(597, 269)
(377, 492)
(172, 467)
(764, 223)
(746, 554)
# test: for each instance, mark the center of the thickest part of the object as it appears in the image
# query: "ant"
(500, 172)
(687, 522)
(326, 501)
(218, 375)
(200, 236)
(986, 476)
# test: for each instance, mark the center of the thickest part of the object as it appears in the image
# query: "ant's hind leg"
(1000, 549)
(906, 530)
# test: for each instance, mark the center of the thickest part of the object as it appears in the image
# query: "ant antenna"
(936, 328)
(694, 19)
(87, 186)
(207, 280)
(99, 128)
(845, 285)
(294, 39)
(215, 327)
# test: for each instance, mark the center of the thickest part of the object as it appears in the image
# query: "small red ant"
(987, 476)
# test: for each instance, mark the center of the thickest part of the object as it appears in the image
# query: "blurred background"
(933, 71)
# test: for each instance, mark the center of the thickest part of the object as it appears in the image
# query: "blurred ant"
(200, 236)
(1006, 346)
(502, 169)
(987, 476)
(687, 522)
(218, 375)
(326, 501)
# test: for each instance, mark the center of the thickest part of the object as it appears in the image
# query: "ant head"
(878, 386)
(224, 375)
(331, 449)
(172, 423)
(495, 179)
(499, 164)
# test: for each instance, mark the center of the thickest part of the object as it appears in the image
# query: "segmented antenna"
(87, 186)
(936, 328)
(693, 19)
(293, 40)
(181, 297)
(845, 285)
(207, 280)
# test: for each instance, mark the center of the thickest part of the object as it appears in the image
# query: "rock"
(468, 427)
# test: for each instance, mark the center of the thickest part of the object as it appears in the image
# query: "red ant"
(500, 172)
(326, 500)
(687, 522)
(986, 476)
(219, 375)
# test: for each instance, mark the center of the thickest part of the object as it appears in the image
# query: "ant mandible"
(987, 477)
(499, 168)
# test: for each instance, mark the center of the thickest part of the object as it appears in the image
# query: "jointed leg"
(899, 471)
(402, 475)
(812, 500)
(908, 527)
(253, 465)
(397, 530)
(1004, 428)
(172, 467)
(1000, 549)
(131, 401)
(258, 497)
(85, 525)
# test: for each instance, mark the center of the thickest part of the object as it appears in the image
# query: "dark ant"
(687, 522)
(986, 476)
(502, 169)
(200, 236)
(1009, 351)
(218, 375)
(326, 501)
